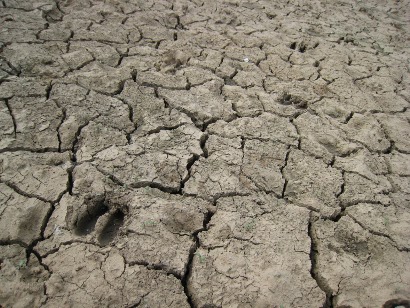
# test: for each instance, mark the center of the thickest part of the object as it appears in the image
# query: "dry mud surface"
(204, 153)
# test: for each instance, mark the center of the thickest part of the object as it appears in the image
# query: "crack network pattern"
(208, 153)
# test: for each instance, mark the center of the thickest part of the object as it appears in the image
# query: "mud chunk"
(158, 229)
(36, 122)
(105, 277)
(21, 218)
(25, 278)
(154, 160)
(58, 231)
(238, 53)
(113, 33)
(264, 127)
(398, 130)
(315, 187)
(399, 163)
(39, 175)
(347, 254)
(42, 5)
(365, 178)
(155, 34)
(199, 103)
(55, 33)
(364, 163)
(149, 112)
(210, 59)
(95, 137)
(175, 58)
(197, 76)
(101, 52)
(274, 64)
(322, 137)
(263, 162)
(100, 78)
(383, 91)
(36, 60)
(19, 36)
(400, 184)
(77, 59)
(249, 77)
(80, 108)
(220, 174)
(150, 169)
(332, 108)
(358, 188)
(158, 79)
(283, 70)
(6, 124)
(28, 21)
(243, 250)
(366, 130)
(23, 87)
(356, 100)
(388, 221)
(245, 102)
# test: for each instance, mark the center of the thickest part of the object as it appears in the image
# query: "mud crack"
(321, 282)
(185, 278)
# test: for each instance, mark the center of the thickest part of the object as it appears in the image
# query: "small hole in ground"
(293, 45)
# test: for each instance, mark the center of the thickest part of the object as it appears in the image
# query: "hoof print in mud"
(110, 225)
(99, 220)
(288, 99)
(303, 46)
(87, 218)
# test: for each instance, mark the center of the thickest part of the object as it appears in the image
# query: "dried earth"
(204, 153)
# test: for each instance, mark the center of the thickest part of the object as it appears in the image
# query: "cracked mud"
(204, 153)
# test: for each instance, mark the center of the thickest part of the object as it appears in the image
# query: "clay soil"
(203, 153)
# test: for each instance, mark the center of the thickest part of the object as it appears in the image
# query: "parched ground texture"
(204, 153)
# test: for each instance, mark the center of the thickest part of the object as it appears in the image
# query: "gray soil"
(194, 153)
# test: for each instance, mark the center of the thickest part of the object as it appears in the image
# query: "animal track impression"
(111, 227)
(99, 219)
(87, 220)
